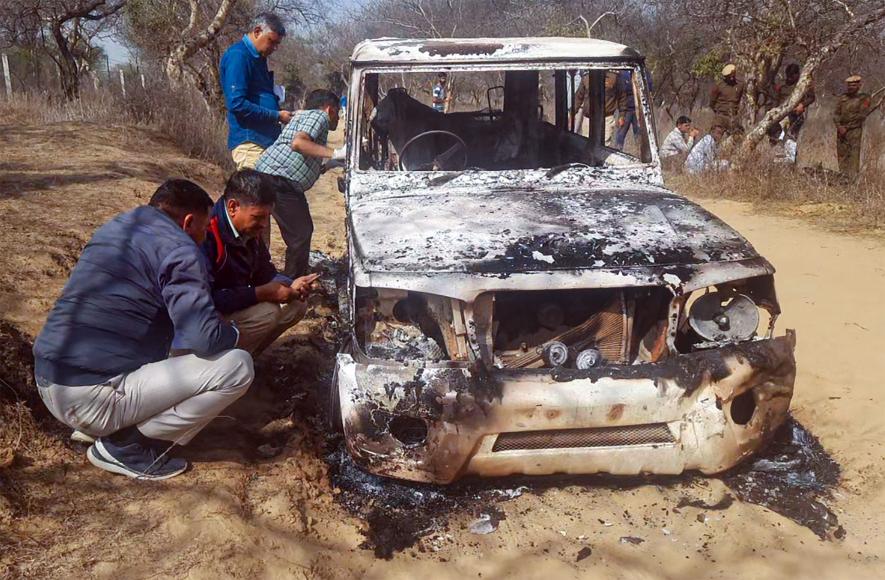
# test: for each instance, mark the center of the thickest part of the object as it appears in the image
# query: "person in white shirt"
(782, 149)
(678, 143)
(704, 155)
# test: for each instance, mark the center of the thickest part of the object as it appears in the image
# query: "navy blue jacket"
(252, 107)
(238, 264)
(140, 281)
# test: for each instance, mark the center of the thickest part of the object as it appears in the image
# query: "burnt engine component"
(587, 359)
(724, 317)
(547, 329)
(555, 353)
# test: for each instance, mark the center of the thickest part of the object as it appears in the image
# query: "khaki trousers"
(245, 156)
(611, 128)
(848, 151)
(172, 399)
(263, 323)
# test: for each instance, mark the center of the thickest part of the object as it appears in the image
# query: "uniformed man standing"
(615, 100)
(725, 100)
(851, 112)
(783, 91)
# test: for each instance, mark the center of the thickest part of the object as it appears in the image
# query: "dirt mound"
(16, 365)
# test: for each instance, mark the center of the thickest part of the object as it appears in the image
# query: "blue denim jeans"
(630, 118)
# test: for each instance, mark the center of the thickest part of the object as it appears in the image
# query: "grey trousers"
(292, 214)
(172, 399)
(261, 324)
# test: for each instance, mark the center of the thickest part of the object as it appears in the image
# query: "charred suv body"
(522, 298)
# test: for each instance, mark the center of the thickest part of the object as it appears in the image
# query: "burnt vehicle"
(522, 298)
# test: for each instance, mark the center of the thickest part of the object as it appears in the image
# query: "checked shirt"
(280, 159)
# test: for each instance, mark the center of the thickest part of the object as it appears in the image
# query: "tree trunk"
(176, 65)
(68, 71)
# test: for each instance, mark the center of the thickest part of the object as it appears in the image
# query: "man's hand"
(800, 108)
(302, 286)
(621, 122)
(285, 117)
(274, 292)
(694, 132)
(841, 130)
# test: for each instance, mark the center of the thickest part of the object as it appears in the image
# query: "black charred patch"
(792, 476)
(400, 514)
(465, 48)
(693, 369)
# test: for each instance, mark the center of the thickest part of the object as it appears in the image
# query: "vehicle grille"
(655, 433)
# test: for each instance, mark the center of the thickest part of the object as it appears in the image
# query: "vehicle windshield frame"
(358, 96)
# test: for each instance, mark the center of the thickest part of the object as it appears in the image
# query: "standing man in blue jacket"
(101, 361)
(253, 112)
(246, 287)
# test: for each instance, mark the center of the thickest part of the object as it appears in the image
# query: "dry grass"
(182, 116)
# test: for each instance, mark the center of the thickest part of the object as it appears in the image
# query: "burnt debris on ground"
(792, 476)
(400, 514)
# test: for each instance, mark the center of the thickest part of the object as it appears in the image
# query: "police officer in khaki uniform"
(615, 100)
(851, 112)
(725, 100)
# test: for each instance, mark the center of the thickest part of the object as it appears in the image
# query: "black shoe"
(130, 453)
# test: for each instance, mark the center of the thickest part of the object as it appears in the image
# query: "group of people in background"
(682, 148)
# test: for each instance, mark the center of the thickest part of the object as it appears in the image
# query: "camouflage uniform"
(725, 100)
(851, 112)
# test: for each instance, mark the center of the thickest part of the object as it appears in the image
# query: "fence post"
(123, 83)
(6, 76)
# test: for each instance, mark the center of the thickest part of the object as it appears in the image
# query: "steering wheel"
(444, 156)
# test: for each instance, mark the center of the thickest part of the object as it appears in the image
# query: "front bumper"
(706, 410)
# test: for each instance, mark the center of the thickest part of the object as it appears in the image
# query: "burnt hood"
(505, 232)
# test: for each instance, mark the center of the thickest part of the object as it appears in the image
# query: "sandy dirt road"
(247, 512)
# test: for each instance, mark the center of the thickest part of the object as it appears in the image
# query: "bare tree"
(64, 29)
(177, 66)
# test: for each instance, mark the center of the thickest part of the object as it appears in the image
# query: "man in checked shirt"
(296, 158)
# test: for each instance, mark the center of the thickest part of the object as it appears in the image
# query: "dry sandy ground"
(239, 513)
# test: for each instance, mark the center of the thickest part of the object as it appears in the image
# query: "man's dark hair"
(682, 119)
(269, 21)
(774, 131)
(792, 69)
(250, 187)
(320, 98)
(179, 197)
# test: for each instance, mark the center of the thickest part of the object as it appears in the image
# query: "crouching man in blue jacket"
(101, 360)
(246, 286)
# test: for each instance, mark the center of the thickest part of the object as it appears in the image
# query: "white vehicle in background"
(522, 298)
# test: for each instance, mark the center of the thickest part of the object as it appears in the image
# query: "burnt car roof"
(486, 50)
(511, 231)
